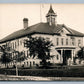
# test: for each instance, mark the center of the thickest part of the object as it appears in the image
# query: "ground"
(35, 78)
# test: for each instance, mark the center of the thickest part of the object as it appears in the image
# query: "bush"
(61, 72)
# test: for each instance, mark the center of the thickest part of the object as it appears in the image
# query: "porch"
(66, 55)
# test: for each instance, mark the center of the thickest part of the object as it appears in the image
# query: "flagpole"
(40, 14)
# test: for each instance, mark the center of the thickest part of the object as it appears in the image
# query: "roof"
(51, 12)
(40, 28)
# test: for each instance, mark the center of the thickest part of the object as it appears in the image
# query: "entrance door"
(66, 55)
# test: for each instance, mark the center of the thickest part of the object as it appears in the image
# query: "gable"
(64, 31)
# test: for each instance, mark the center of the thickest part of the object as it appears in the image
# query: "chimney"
(25, 23)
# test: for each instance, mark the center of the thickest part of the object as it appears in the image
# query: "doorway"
(66, 55)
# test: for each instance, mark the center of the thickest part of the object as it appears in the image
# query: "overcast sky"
(11, 16)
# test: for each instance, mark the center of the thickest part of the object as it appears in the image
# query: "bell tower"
(51, 17)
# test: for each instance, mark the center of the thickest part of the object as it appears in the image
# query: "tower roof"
(51, 12)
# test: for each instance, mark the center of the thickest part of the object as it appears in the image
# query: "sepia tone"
(45, 50)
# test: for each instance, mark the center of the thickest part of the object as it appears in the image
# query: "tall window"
(15, 44)
(33, 63)
(53, 20)
(18, 42)
(73, 40)
(25, 42)
(27, 53)
(62, 41)
(79, 42)
(27, 63)
(24, 63)
(24, 53)
(57, 41)
(66, 41)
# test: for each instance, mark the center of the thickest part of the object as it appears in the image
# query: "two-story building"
(66, 40)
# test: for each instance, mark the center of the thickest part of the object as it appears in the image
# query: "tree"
(80, 53)
(19, 56)
(6, 55)
(40, 47)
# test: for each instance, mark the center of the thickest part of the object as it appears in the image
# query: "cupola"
(51, 16)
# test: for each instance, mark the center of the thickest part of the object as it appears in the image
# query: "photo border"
(41, 1)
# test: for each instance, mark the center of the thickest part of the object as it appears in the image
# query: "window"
(27, 53)
(79, 42)
(25, 43)
(18, 42)
(12, 55)
(30, 64)
(24, 63)
(24, 53)
(66, 41)
(62, 41)
(33, 63)
(15, 44)
(27, 63)
(57, 41)
(53, 20)
(73, 41)
(7, 44)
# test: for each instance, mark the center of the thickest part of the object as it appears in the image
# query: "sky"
(11, 16)
(41, 1)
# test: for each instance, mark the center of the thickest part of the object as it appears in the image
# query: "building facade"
(66, 41)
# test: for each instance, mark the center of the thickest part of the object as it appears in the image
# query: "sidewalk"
(35, 78)
(29, 78)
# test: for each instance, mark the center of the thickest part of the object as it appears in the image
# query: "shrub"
(61, 72)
